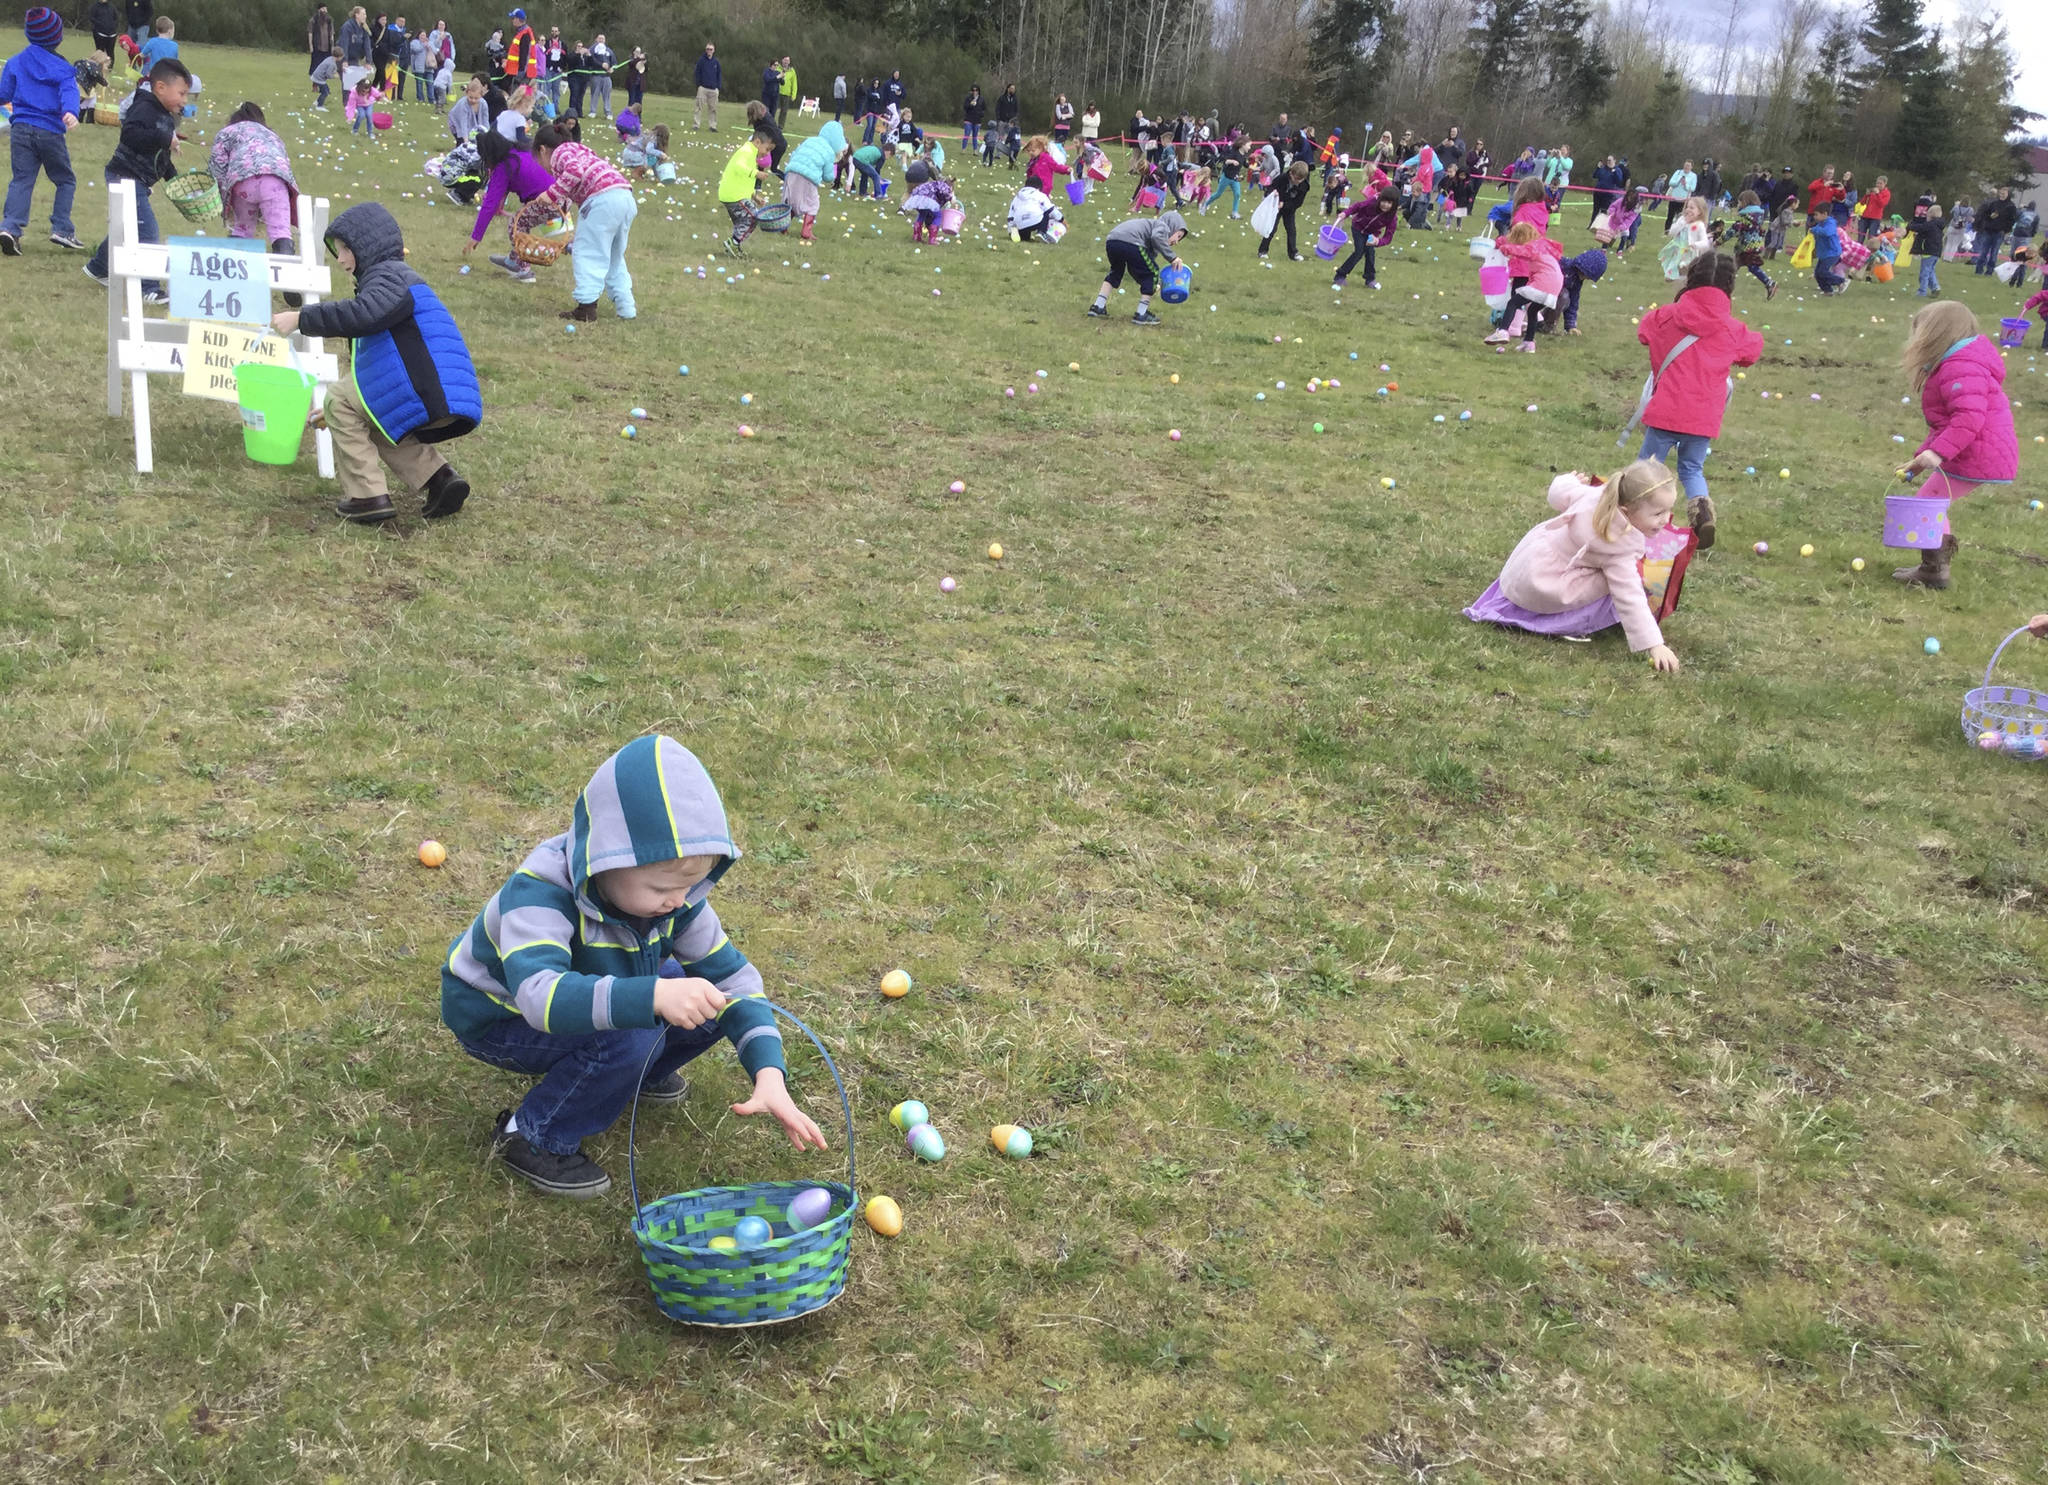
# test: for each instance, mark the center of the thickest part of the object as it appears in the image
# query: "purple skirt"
(1492, 608)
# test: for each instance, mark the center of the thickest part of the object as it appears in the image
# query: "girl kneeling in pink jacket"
(1580, 572)
(1960, 377)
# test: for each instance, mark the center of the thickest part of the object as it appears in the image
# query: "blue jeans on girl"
(1692, 456)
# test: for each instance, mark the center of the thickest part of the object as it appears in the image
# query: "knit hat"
(1590, 264)
(45, 27)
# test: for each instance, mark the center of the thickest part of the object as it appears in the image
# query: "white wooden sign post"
(139, 347)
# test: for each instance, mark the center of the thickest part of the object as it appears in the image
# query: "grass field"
(1453, 1056)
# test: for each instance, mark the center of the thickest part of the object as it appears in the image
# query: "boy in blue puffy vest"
(600, 967)
(410, 383)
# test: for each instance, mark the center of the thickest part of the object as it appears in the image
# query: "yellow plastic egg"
(895, 984)
(724, 1243)
(1175, 378)
(1856, 565)
(1806, 550)
(995, 551)
(883, 1215)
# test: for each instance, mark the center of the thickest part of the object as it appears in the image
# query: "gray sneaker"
(1146, 317)
(67, 240)
(576, 1176)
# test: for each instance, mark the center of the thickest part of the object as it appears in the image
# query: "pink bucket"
(1331, 241)
(1149, 197)
(380, 121)
(951, 220)
(1915, 521)
(1077, 192)
(1493, 278)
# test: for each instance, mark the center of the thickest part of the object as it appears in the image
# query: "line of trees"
(1874, 88)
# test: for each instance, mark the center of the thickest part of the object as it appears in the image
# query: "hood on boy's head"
(1173, 222)
(651, 801)
(368, 231)
(1590, 264)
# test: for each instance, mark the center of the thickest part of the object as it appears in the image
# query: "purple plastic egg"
(810, 1207)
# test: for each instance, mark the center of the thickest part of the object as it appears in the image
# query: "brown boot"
(587, 313)
(1933, 569)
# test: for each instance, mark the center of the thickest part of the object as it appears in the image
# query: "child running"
(1827, 255)
(1292, 189)
(1535, 280)
(411, 385)
(1927, 233)
(1693, 342)
(42, 89)
(149, 138)
(601, 968)
(1749, 242)
(1970, 441)
(605, 209)
(1689, 237)
(736, 187)
(1580, 571)
(1134, 247)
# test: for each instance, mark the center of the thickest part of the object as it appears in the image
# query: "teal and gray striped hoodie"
(547, 946)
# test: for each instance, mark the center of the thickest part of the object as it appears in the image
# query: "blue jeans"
(1827, 277)
(36, 149)
(1929, 284)
(586, 1081)
(870, 179)
(321, 101)
(364, 121)
(867, 129)
(1987, 250)
(970, 135)
(600, 252)
(145, 231)
(1692, 450)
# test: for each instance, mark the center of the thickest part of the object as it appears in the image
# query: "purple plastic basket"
(2013, 333)
(1077, 192)
(1331, 241)
(1915, 521)
(2017, 717)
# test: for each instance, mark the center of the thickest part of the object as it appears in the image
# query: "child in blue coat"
(600, 967)
(43, 90)
(410, 386)
(1827, 255)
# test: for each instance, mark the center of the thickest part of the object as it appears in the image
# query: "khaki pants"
(707, 103)
(361, 452)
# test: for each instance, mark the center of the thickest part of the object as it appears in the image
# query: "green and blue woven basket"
(793, 1274)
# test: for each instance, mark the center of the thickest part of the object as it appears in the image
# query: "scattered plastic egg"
(751, 1231)
(1173, 435)
(958, 487)
(947, 585)
(896, 984)
(926, 1143)
(1762, 549)
(1806, 549)
(907, 1115)
(1319, 427)
(432, 853)
(883, 1215)
(995, 551)
(1931, 645)
(1011, 1140)
(1855, 564)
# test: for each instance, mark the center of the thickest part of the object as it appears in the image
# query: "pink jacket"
(2038, 305)
(1537, 262)
(580, 174)
(1969, 418)
(1564, 564)
(1532, 211)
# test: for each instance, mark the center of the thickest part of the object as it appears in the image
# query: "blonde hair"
(1522, 234)
(1626, 489)
(1697, 208)
(1934, 330)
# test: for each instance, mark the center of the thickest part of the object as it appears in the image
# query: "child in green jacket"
(736, 189)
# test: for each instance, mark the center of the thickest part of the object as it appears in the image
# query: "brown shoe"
(584, 312)
(370, 510)
(1933, 569)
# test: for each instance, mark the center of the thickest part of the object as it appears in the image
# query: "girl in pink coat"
(1970, 439)
(1580, 572)
(1535, 279)
(2038, 305)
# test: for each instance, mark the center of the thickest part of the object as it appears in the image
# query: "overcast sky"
(2026, 21)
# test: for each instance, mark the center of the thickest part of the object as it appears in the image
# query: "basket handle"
(2000, 651)
(845, 1104)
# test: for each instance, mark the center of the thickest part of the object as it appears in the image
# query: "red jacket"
(1692, 394)
(1874, 202)
(1821, 194)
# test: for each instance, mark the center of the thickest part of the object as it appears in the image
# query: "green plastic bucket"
(276, 401)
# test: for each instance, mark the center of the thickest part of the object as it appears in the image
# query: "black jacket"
(1006, 107)
(1996, 216)
(144, 154)
(974, 109)
(103, 19)
(1292, 192)
(141, 13)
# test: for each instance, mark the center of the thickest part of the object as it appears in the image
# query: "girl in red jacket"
(1960, 377)
(1693, 341)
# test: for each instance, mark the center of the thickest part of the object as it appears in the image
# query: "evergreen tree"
(1828, 92)
(1574, 69)
(1494, 47)
(1925, 142)
(1895, 44)
(1354, 44)
(1989, 148)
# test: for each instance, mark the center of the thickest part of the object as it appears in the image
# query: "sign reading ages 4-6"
(214, 278)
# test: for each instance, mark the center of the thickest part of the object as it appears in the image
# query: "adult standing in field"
(354, 39)
(391, 45)
(710, 78)
(786, 96)
(973, 109)
(555, 66)
(1683, 185)
(1062, 120)
(838, 96)
(105, 21)
(895, 93)
(1091, 123)
(494, 53)
(1478, 161)
(602, 60)
(1607, 186)
(1007, 108)
(1822, 193)
(1870, 210)
(771, 86)
(319, 33)
(522, 56)
(576, 64)
(1452, 150)
(636, 79)
(1993, 220)
(1710, 183)
(140, 13)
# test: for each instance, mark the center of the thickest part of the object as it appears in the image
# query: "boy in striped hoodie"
(600, 967)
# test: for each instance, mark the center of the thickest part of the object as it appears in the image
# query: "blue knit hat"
(1591, 264)
(45, 27)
